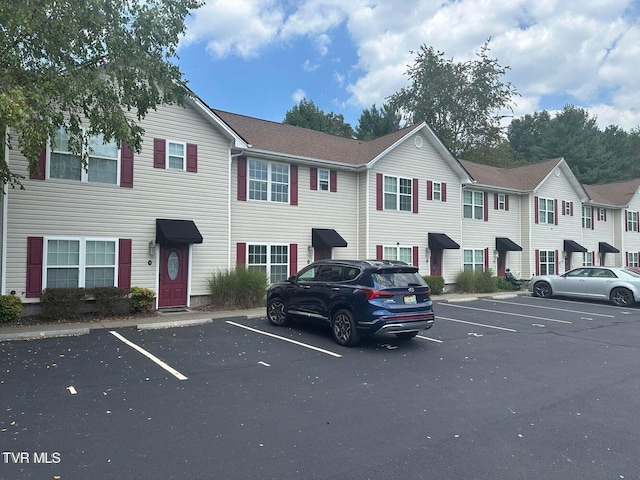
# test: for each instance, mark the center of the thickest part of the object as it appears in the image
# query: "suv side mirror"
(292, 279)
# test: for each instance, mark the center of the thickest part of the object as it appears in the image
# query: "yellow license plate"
(410, 299)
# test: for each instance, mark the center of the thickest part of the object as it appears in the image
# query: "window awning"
(604, 247)
(177, 231)
(570, 246)
(326, 238)
(504, 244)
(441, 241)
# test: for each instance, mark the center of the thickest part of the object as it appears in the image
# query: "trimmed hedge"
(436, 283)
(10, 308)
(479, 282)
(238, 288)
(142, 299)
(75, 303)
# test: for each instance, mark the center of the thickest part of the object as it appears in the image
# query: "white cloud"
(307, 66)
(323, 42)
(298, 95)
(338, 78)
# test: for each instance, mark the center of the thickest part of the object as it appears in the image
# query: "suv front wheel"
(277, 312)
(343, 327)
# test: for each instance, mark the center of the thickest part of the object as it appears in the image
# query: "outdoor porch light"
(152, 248)
(496, 253)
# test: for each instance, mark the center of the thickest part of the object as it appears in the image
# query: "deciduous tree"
(376, 122)
(307, 115)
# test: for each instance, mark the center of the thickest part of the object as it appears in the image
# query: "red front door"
(173, 275)
(502, 256)
(435, 261)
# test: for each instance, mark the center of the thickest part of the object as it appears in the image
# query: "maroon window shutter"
(627, 259)
(486, 259)
(159, 152)
(124, 263)
(535, 209)
(293, 259)
(415, 195)
(416, 254)
(564, 207)
(556, 267)
(555, 211)
(379, 252)
(443, 193)
(537, 252)
(593, 258)
(605, 214)
(294, 184)
(429, 190)
(241, 254)
(378, 191)
(126, 166)
(626, 220)
(637, 222)
(506, 202)
(35, 251)
(571, 209)
(593, 223)
(495, 201)
(192, 158)
(42, 168)
(333, 181)
(313, 178)
(242, 179)
(486, 206)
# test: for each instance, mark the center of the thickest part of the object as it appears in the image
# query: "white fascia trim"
(268, 155)
(5, 212)
(237, 140)
(493, 188)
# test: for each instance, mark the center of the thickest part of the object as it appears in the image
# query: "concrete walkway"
(184, 319)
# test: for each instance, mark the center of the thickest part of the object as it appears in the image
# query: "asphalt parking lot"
(517, 388)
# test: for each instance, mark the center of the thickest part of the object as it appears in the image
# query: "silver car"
(619, 285)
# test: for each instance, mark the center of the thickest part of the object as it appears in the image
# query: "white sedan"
(619, 285)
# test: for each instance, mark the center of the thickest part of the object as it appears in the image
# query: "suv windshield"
(397, 278)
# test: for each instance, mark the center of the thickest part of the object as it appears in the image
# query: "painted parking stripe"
(305, 345)
(429, 338)
(150, 356)
(505, 313)
(477, 324)
(551, 308)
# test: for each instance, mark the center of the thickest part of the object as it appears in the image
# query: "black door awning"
(177, 231)
(326, 238)
(441, 241)
(570, 246)
(504, 244)
(604, 247)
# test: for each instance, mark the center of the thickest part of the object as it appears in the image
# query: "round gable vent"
(418, 141)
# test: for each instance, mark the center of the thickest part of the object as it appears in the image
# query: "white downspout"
(5, 213)
(229, 186)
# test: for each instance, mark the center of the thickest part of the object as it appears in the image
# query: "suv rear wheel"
(343, 327)
(277, 312)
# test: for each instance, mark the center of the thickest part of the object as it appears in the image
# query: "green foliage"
(461, 101)
(503, 284)
(374, 122)
(91, 61)
(465, 282)
(109, 301)
(62, 303)
(142, 299)
(10, 308)
(476, 282)
(239, 288)
(436, 283)
(307, 115)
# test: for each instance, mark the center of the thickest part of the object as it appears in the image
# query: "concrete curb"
(68, 332)
(176, 323)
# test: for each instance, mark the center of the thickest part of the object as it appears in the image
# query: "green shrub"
(142, 299)
(476, 282)
(10, 308)
(62, 303)
(436, 283)
(485, 282)
(465, 282)
(109, 301)
(503, 285)
(239, 288)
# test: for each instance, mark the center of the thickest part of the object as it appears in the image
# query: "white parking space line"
(305, 345)
(429, 338)
(504, 313)
(477, 324)
(150, 356)
(550, 308)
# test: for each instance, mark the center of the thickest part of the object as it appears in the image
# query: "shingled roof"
(288, 140)
(615, 193)
(526, 177)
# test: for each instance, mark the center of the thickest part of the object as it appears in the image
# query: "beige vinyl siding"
(263, 222)
(68, 208)
(527, 258)
(603, 231)
(630, 240)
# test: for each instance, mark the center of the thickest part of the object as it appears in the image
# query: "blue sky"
(260, 57)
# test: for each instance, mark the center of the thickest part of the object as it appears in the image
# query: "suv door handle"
(336, 289)
(306, 286)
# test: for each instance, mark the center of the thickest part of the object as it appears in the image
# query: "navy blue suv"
(356, 297)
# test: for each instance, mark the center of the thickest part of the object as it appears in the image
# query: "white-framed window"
(437, 191)
(547, 262)
(272, 259)
(473, 205)
(602, 214)
(587, 216)
(80, 262)
(473, 259)
(398, 193)
(396, 252)
(103, 162)
(323, 180)
(176, 155)
(587, 259)
(546, 211)
(632, 221)
(268, 181)
(502, 201)
(567, 208)
(632, 259)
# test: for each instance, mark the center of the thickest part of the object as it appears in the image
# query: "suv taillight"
(372, 293)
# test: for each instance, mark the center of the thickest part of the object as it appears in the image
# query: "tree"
(374, 122)
(307, 115)
(92, 65)
(461, 101)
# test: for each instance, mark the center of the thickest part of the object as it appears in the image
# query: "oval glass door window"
(173, 265)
